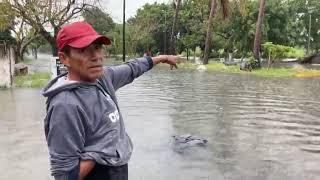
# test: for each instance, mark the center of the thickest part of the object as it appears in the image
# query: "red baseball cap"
(79, 35)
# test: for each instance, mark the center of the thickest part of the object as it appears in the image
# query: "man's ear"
(64, 59)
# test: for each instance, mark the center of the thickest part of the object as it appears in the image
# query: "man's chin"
(96, 76)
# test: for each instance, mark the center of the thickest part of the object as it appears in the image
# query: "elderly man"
(84, 128)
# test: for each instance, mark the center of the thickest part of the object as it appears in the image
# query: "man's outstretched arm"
(124, 74)
(168, 59)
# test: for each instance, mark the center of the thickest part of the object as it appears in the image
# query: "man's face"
(84, 64)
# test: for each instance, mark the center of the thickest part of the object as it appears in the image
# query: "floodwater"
(257, 128)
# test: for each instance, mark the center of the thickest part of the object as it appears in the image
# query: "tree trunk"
(194, 54)
(18, 57)
(257, 38)
(209, 32)
(187, 54)
(269, 61)
(21, 48)
(172, 37)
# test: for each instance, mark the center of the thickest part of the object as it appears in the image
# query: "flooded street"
(257, 128)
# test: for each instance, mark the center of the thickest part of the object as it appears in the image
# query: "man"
(84, 127)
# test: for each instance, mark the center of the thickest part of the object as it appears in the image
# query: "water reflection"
(22, 144)
(257, 128)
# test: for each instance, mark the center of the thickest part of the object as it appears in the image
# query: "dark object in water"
(188, 140)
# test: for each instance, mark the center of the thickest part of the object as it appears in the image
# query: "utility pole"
(124, 32)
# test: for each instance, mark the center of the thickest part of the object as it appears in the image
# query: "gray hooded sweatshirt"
(83, 120)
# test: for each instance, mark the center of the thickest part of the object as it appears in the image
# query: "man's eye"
(82, 50)
(97, 46)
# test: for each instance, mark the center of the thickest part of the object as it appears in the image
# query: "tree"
(193, 31)
(174, 26)
(235, 35)
(36, 44)
(23, 34)
(48, 16)
(147, 29)
(307, 15)
(24, 37)
(284, 23)
(6, 23)
(100, 21)
(224, 8)
(257, 38)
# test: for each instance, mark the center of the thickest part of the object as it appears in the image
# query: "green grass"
(275, 72)
(32, 80)
(263, 72)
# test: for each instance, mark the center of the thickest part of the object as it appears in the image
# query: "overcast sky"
(114, 7)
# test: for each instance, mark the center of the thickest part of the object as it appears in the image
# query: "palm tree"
(257, 38)
(224, 9)
(175, 20)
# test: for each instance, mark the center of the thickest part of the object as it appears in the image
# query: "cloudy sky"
(114, 7)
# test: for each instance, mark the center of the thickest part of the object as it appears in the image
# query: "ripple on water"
(257, 128)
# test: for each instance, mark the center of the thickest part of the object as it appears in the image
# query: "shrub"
(275, 51)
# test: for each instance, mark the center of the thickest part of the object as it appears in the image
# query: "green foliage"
(192, 28)
(274, 51)
(295, 53)
(253, 63)
(6, 22)
(286, 22)
(100, 21)
(6, 16)
(196, 53)
(40, 42)
(116, 47)
(150, 28)
(302, 11)
(277, 52)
